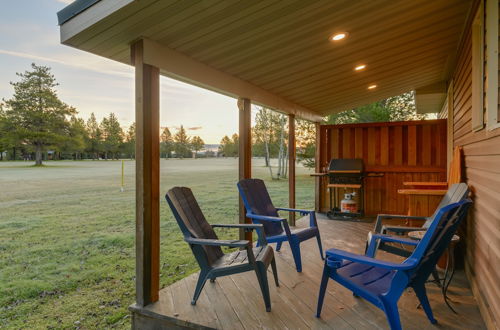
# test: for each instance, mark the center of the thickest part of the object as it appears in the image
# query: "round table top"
(418, 234)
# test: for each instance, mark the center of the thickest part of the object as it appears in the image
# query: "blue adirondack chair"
(206, 247)
(382, 283)
(456, 193)
(261, 210)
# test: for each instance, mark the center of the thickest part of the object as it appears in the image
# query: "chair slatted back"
(456, 193)
(257, 201)
(191, 220)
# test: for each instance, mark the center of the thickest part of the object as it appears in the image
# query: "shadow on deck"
(235, 302)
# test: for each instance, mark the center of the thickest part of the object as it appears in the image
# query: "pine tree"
(77, 135)
(112, 135)
(225, 146)
(197, 144)
(129, 145)
(94, 138)
(235, 145)
(40, 117)
(182, 143)
(167, 143)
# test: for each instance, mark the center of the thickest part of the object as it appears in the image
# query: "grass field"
(67, 235)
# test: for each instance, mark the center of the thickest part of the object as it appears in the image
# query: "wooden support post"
(245, 155)
(147, 147)
(317, 159)
(291, 166)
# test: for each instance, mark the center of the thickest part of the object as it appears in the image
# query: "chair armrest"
(250, 226)
(399, 229)
(265, 218)
(397, 216)
(373, 244)
(247, 227)
(302, 212)
(312, 213)
(396, 239)
(334, 254)
(271, 219)
(217, 242)
(378, 224)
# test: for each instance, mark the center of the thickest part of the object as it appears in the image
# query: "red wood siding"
(402, 151)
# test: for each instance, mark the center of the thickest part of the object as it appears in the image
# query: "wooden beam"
(317, 159)
(245, 155)
(181, 67)
(147, 146)
(291, 166)
(450, 140)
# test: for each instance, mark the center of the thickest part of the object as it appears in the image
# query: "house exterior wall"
(482, 173)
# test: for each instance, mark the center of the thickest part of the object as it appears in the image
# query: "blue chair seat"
(375, 280)
(301, 234)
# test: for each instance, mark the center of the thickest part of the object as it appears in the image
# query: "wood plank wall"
(401, 151)
(482, 172)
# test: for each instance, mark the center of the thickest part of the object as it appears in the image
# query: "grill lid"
(346, 165)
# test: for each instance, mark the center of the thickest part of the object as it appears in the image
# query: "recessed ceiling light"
(360, 67)
(339, 36)
(372, 86)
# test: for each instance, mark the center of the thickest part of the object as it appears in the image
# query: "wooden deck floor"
(235, 302)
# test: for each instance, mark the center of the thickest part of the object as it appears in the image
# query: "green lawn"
(67, 235)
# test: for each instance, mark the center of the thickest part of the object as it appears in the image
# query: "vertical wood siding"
(482, 173)
(402, 151)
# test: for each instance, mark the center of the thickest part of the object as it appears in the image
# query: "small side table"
(450, 263)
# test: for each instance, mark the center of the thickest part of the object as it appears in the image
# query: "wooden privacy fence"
(401, 151)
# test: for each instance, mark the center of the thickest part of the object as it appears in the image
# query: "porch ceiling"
(283, 47)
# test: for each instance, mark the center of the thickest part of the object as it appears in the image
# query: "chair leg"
(295, 246)
(275, 272)
(260, 271)
(322, 289)
(318, 238)
(278, 246)
(199, 286)
(424, 301)
(392, 314)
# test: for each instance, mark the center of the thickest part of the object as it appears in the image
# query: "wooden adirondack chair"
(261, 210)
(381, 282)
(206, 246)
(423, 195)
(456, 193)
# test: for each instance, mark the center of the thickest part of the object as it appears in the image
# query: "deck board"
(235, 302)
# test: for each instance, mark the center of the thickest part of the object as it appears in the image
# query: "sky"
(29, 34)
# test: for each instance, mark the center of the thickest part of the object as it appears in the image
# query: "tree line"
(36, 124)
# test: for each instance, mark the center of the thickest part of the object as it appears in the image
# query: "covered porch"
(289, 56)
(234, 302)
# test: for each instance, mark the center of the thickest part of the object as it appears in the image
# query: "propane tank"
(348, 204)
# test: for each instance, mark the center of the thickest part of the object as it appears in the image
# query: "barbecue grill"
(347, 174)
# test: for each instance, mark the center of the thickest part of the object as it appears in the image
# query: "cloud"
(194, 128)
(99, 69)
